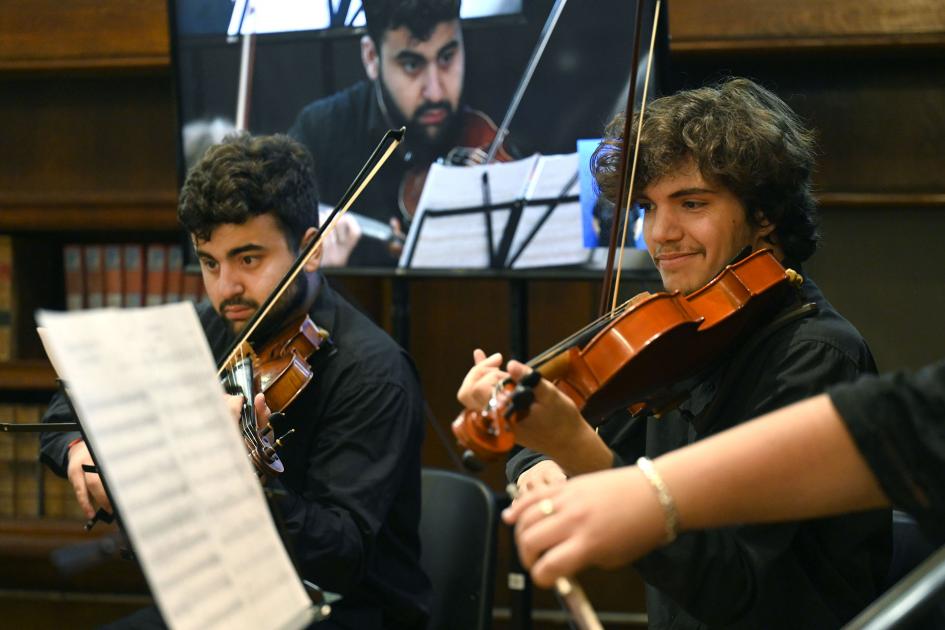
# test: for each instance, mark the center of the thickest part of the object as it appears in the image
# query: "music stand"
(498, 232)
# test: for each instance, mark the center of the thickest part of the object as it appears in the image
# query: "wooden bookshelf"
(27, 375)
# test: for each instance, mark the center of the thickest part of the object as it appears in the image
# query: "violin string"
(636, 150)
(569, 340)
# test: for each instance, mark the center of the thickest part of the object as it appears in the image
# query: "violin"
(277, 366)
(477, 135)
(633, 356)
(279, 369)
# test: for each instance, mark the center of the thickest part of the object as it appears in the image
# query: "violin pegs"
(531, 379)
(471, 462)
(521, 400)
(279, 441)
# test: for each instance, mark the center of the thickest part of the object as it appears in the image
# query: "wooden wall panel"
(76, 135)
(879, 119)
(697, 25)
(51, 34)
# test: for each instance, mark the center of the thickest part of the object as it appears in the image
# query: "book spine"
(6, 297)
(133, 261)
(74, 277)
(113, 276)
(26, 454)
(156, 274)
(175, 274)
(193, 287)
(94, 276)
(7, 465)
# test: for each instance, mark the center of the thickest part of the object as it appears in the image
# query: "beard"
(293, 298)
(424, 147)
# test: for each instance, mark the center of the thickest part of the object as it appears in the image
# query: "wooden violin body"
(280, 370)
(478, 132)
(634, 360)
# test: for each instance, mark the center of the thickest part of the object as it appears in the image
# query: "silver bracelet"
(663, 496)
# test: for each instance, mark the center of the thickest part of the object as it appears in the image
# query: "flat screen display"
(306, 51)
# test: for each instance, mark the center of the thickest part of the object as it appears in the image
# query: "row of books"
(28, 489)
(127, 275)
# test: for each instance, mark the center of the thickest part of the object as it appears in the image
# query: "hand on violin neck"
(88, 488)
(235, 405)
(479, 384)
(555, 427)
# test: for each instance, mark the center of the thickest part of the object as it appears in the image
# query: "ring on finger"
(546, 507)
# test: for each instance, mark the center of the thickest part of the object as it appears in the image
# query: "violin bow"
(537, 52)
(392, 140)
(625, 195)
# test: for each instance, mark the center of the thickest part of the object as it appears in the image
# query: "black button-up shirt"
(341, 131)
(812, 574)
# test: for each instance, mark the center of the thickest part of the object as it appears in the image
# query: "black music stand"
(501, 256)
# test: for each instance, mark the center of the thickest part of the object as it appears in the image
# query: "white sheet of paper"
(144, 385)
(460, 241)
(560, 240)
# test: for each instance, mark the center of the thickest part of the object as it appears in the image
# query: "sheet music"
(460, 240)
(560, 239)
(144, 385)
(442, 240)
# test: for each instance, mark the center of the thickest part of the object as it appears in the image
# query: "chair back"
(458, 537)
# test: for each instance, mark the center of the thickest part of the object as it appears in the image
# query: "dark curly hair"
(419, 16)
(246, 176)
(740, 136)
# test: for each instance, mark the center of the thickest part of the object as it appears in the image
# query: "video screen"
(315, 71)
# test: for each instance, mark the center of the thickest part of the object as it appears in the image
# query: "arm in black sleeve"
(354, 466)
(728, 576)
(898, 423)
(54, 446)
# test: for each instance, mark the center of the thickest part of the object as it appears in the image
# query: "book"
(193, 286)
(7, 464)
(155, 274)
(113, 276)
(94, 276)
(26, 461)
(175, 274)
(6, 297)
(74, 277)
(133, 263)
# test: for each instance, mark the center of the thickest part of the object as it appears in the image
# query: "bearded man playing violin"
(415, 63)
(722, 170)
(350, 494)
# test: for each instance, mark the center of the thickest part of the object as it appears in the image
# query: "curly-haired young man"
(722, 169)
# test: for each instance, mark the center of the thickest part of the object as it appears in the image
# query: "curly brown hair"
(740, 136)
(246, 176)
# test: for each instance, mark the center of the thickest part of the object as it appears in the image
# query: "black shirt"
(815, 574)
(352, 469)
(341, 131)
(898, 424)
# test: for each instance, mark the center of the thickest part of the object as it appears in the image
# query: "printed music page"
(439, 238)
(144, 385)
(549, 235)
